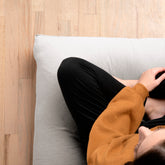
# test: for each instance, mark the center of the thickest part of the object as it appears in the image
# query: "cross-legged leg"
(87, 90)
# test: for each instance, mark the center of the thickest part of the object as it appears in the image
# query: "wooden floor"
(20, 20)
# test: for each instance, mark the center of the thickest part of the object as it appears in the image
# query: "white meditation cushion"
(55, 132)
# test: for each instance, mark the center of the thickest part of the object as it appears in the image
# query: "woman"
(114, 116)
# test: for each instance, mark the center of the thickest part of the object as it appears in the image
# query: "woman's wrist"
(129, 83)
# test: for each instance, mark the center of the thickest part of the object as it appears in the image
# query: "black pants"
(87, 90)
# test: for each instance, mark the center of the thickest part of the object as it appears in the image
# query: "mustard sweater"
(112, 138)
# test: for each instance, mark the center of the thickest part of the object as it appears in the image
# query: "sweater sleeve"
(111, 135)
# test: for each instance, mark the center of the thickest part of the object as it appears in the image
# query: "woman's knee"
(68, 68)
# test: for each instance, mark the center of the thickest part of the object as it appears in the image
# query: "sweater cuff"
(141, 90)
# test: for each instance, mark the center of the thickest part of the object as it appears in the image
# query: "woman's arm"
(111, 139)
(154, 108)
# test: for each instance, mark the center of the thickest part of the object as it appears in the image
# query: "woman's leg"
(87, 90)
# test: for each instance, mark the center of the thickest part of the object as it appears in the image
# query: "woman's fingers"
(160, 79)
(158, 70)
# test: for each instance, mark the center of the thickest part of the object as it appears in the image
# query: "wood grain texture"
(20, 20)
(2, 73)
(151, 22)
(2, 7)
(12, 46)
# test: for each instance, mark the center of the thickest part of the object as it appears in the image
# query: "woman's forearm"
(129, 83)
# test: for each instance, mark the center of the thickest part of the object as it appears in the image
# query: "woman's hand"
(148, 78)
(155, 108)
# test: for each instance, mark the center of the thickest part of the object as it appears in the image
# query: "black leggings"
(87, 90)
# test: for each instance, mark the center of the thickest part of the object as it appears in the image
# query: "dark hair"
(155, 156)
